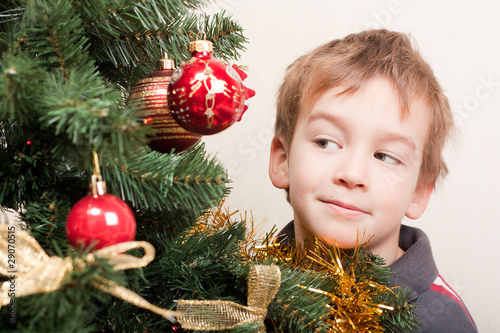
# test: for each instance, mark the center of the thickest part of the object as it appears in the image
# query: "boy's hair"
(352, 61)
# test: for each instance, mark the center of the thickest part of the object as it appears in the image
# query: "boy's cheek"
(394, 180)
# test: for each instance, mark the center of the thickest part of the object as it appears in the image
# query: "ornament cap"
(165, 62)
(97, 186)
(200, 46)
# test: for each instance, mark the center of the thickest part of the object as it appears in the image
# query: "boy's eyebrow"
(391, 136)
(341, 123)
(338, 121)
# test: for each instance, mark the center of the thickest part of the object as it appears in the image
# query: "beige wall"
(461, 41)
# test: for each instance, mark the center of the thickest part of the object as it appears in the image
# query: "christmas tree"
(67, 69)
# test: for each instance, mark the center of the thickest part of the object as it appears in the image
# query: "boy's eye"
(327, 144)
(386, 158)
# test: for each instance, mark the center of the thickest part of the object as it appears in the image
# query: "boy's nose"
(351, 171)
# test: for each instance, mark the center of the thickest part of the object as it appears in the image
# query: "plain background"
(461, 41)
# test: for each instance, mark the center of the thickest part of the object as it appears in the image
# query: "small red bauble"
(149, 96)
(205, 94)
(100, 219)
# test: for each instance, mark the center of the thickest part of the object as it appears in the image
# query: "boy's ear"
(419, 201)
(278, 164)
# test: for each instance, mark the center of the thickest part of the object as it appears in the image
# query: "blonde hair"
(352, 61)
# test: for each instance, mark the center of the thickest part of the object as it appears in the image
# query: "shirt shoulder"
(440, 309)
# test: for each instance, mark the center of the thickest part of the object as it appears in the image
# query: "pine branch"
(402, 318)
(155, 181)
(128, 37)
(10, 11)
(86, 114)
(296, 309)
(23, 174)
(205, 176)
(46, 220)
(128, 33)
(21, 81)
(54, 33)
(226, 34)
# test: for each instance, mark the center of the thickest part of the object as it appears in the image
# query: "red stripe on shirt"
(443, 290)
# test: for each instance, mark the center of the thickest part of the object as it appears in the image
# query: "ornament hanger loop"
(98, 187)
(97, 170)
(201, 26)
(201, 33)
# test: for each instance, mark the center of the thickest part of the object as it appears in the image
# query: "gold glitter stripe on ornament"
(151, 91)
(154, 79)
(161, 81)
(35, 272)
(173, 137)
(155, 99)
(263, 284)
(160, 109)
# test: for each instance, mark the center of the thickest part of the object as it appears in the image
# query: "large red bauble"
(149, 96)
(101, 219)
(205, 94)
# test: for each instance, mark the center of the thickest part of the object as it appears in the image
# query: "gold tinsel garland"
(352, 306)
(352, 301)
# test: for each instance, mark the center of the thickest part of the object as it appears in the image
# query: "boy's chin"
(350, 239)
(344, 243)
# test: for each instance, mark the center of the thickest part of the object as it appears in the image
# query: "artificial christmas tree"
(66, 70)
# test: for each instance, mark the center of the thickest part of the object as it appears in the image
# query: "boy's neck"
(389, 254)
(389, 261)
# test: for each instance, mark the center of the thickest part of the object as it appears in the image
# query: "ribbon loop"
(121, 261)
(35, 272)
(263, 284)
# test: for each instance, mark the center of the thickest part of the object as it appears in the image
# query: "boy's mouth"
(345, 209)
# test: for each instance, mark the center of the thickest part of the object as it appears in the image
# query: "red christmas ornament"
(100, 219)
(149, 95)
(205, 94)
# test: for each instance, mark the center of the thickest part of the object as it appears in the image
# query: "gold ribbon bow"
(31, 271)
(263, 284)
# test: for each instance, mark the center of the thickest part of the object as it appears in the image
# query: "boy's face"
(352, 167)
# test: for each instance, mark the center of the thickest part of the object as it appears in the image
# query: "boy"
(361, 124)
